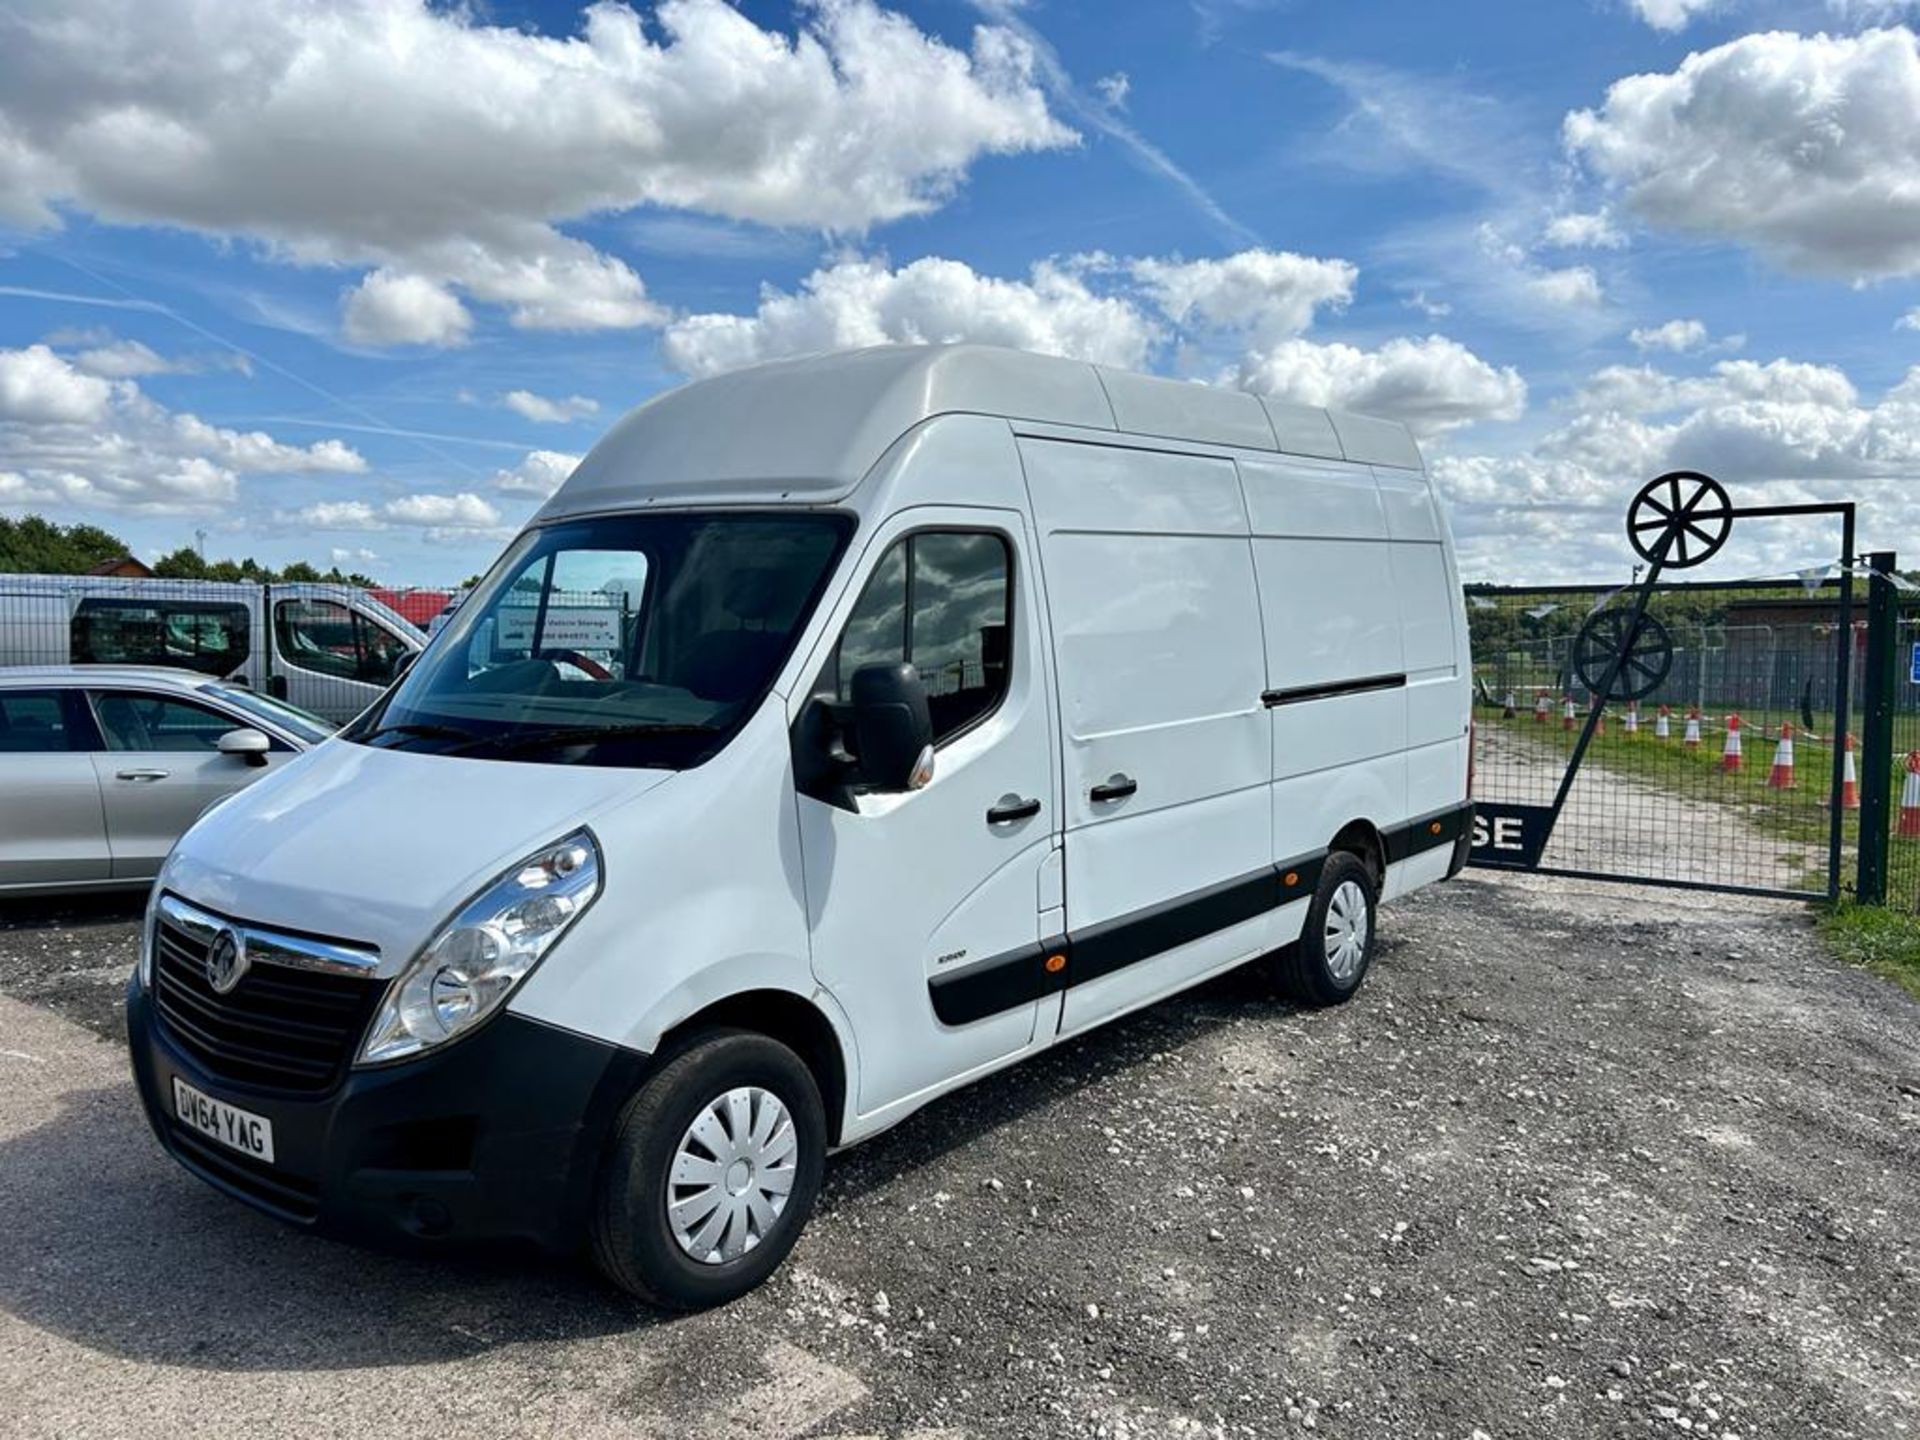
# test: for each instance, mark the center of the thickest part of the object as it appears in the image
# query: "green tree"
(35, 546)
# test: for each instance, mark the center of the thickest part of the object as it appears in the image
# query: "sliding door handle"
(1011, 809)
(1117, 787)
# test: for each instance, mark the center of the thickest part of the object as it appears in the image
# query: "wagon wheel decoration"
(1647, 652)
(1680, 520)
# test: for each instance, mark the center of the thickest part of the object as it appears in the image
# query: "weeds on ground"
(1885, 942)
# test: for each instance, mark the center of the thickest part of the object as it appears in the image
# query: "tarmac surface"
(1579, 1160)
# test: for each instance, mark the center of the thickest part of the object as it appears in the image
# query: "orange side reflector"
(1055, 964)
(1434, 828)
(1293, 877)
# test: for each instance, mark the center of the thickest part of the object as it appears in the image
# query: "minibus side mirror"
(892, 727)
(246, 744)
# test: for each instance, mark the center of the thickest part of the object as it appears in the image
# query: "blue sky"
(352, 285)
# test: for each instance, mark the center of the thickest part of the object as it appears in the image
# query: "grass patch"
(1885, 942)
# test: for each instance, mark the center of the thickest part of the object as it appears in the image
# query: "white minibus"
(938, 704)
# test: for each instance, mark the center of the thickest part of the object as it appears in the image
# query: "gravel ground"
(1579, 1161)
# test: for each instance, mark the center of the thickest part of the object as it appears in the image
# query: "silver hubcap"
(1346, 938)
(732, 1174)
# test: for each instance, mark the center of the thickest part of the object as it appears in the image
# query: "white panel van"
(330, 649)
(939, 703)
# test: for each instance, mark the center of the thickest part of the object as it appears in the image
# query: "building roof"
(811, 429)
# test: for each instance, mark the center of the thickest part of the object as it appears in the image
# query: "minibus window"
(626, 640)
(202, 635)
(939, 601)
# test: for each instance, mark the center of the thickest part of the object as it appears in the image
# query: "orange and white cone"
(1730, 752)
(1506, 711)
(1566, 714)
(1541, 707)
(1633, 718)
(1663, 723)
(1692, 738)
(1849, 781)
(1781, 776)
(1910, 799)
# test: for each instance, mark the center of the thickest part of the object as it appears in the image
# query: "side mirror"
(892, 729)
(246, 744)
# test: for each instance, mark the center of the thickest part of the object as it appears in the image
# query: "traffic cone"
(1541, 708)
(1849, 781)
(1506, 711)
(1662, 723)
(1692, 738)
(1730, 752)
(1910, 799)
(1633, 718)
(1781, 776)
(1566, 714)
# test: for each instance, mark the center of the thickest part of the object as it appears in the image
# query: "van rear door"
(1158, 649)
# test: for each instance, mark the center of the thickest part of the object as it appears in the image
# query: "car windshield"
(301, 723)
(639, 640)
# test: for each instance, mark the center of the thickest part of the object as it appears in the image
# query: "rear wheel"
(715, 1166)
(1330, 960)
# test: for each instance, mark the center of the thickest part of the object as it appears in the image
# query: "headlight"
(468, 969)
(143, 967)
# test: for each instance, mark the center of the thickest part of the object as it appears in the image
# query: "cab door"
(926, 908)
(160, 770)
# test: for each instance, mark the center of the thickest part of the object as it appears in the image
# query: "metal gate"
(1682, 734)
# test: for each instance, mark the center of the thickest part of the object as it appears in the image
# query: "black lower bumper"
(497, 1137)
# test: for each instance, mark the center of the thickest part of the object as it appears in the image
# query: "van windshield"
(623, 641)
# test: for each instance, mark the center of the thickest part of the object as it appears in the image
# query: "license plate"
(233, 1127)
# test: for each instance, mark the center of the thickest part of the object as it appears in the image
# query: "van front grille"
(280, 1028)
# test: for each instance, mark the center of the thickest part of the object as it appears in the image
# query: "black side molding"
(1426, 832)
(1300, 694)
(1002, 982)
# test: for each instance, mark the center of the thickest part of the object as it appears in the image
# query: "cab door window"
(940, 601)
(329, 639)
(134, 722)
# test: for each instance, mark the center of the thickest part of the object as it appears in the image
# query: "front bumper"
(497, 1137)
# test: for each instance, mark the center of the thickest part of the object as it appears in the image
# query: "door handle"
(141, 774)
(1008, 811)
(1118, 787)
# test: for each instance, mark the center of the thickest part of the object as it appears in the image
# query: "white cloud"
(1910, 320)
(415, 138)
(437, 514)
(124, 360)
(539, 474)
(1804, 147)
(393, 309)
(1267, 294)
(1576, 286)
(357, 555)
(860, 302)
(1115, 88)
(1773, 431)
(37, 387)
(1432, 309)
(72, 439)
(1671, 15)
(1433, 385)
(1679, 336)
(549, 411)
(1584, 231)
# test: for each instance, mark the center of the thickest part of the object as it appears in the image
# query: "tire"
(635, 1243)
(1314, 970)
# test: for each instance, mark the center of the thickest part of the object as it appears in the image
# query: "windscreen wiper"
(580, 735)
(423, 728)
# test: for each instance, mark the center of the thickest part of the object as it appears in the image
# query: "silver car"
(102, 767)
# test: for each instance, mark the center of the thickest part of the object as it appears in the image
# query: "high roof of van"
(809, 430)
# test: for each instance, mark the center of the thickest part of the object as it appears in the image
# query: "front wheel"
(1327, 963)
(714, 1169)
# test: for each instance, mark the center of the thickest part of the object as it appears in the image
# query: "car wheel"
(714, 1167)
(1327, 964)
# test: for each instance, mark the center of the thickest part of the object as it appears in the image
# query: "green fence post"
(1879, 685)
